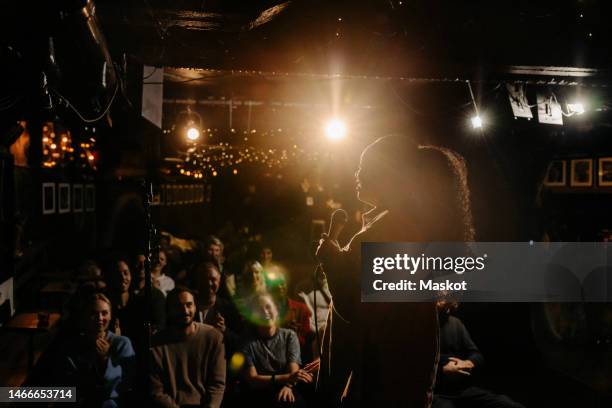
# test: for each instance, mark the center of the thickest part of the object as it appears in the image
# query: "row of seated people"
(108, 342)
(214, 346)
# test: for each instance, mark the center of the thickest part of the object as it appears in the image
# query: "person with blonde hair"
(98, 363)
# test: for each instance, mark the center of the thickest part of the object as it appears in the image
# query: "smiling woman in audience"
(272, 359)
(99, 363)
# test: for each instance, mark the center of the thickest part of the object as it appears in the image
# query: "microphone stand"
(151, 251)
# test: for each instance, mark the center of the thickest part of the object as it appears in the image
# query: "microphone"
(339, 218)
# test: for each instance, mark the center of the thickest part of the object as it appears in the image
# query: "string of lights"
(562, 77)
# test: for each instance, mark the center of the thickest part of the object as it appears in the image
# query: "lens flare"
(236, 362)
(335, 129)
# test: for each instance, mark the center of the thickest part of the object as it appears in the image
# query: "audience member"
(266, 258)
(251, 280)
(214, 310)
(318, 301)
(460, 360)
(129, 307)
(99, 363)
(188, 360)
(164, 282)
(293, 314)
(272, 359)
(90, 274)
(213, 248)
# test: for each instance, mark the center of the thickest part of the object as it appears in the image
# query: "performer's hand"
(462, 364)
(452, 369)
(285, 395)
(327, 249)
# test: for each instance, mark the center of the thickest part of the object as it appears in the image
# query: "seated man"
(188, 358)
(459, 360)
(214, 310)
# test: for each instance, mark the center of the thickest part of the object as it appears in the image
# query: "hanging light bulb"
(335, 129)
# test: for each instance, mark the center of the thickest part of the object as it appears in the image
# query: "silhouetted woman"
(390, 350)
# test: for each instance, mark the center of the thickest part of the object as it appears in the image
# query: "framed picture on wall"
(604, 172)
(581, 173)
(90, 197)
(63, 202)
(48, 198)
(555, 175)
(77, 198)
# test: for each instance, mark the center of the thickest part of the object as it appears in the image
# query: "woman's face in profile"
(364, 184)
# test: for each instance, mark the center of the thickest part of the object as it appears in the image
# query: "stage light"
(575, 108)
(476, 122)
(193, 134)
(335, 129)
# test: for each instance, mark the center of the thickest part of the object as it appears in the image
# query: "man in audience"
(213, 249)
(460, 360)
(214, 310)
(188, 359)
(164, 282)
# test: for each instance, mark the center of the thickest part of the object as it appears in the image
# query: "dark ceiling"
(259, 49)
(390, 37)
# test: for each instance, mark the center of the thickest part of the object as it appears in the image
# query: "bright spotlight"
(575, 108)
(476, 122)
(335, 129)
(193, 134)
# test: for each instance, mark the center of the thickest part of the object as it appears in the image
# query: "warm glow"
(235, 171)
(335, 129)
(193, 134)
(476, 122)
(577, 108)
